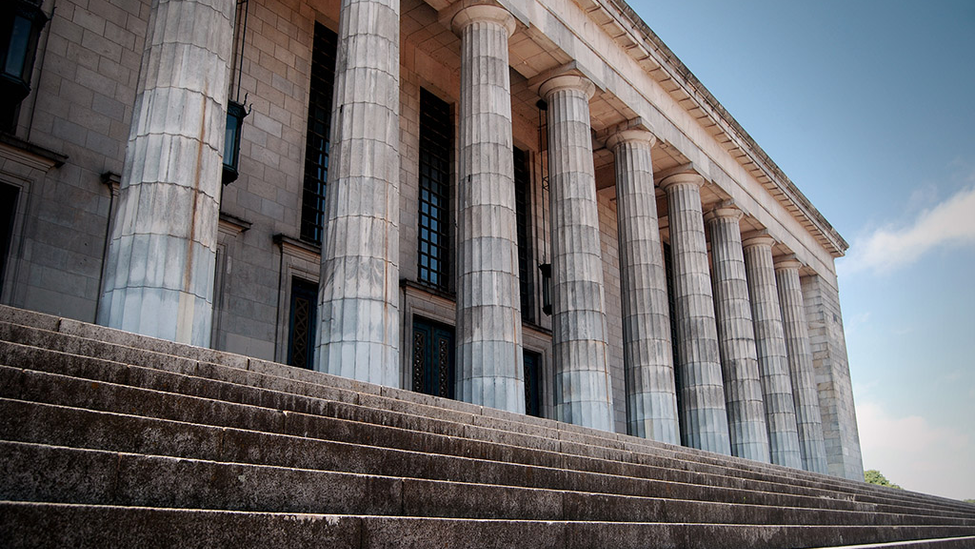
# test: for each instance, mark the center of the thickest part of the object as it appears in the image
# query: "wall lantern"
(546, 269)
(236, 112)
(21, 22)
(231, 145)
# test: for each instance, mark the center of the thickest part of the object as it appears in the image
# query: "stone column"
(360, 320)
(649, 360)
(160, 264)
(780, 411)
(804, 391)
(704, 421)
(489, 342)
(736, 337)
(578, 308)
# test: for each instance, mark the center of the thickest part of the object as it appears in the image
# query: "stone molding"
(487, 13)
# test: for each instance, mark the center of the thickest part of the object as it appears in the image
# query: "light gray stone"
(773, 362)
(825, 322)
(704, 420)
(359, 295)
(159, 271)
(578, 309)
(490, 367)
(739, 358)
(648, 357)
(804, 390)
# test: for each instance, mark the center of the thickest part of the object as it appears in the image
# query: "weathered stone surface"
(578, 308)
(739, 357)
(780, 411)
(704, 420)
(489, 339)
(804, 390)
(836, 406)
(160, 265)
(359, 294)
(649, 360)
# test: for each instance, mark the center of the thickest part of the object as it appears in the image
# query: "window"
(434, 191)
(433, 358)
(304, 312)
(316, 143)
(533, 400)
(523, 219)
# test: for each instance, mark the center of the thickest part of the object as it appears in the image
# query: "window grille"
(434, 190)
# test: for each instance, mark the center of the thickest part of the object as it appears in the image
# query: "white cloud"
(951, 222)
(919, 456)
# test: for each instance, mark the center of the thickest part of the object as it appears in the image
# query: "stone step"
(62, 426)
(33, 524)
(405, 437)
(964, 542)
(571, 439)
(588, 443)
(37, 472)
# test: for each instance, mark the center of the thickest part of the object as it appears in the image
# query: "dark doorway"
(533, 400)
(433, 358)
(304, 313)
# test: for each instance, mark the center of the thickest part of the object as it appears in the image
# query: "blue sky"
(869, 107)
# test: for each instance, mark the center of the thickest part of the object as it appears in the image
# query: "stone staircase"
(109, 439)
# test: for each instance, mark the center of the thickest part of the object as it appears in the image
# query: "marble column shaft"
(804, 390)
(160, 265)
(489, 341)
(578, 308)
(736, 338)
(704, 420)
(648, 357)
(360, 321)
(773, 362)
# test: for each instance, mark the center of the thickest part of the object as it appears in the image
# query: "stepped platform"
(111, 439)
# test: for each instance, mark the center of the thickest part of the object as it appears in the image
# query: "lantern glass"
(546, 269)
(21, 22)
(231, 144)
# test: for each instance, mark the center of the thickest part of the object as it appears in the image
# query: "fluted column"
(648, 358)
(160, 264)
(578, 308)
(704, 421)
(773, 362)
(359, 326)
(736, 337)
(489, 342)
(804, 390)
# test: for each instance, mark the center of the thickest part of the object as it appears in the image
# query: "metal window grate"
(523, 211)
(317, 141)
(435, 146)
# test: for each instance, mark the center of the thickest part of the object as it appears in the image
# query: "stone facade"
(660, 324)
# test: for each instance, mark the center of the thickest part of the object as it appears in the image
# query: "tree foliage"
(874, 476)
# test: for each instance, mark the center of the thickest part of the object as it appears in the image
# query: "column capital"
(634, 130)
(563, 81)
(757, 238)
(787, 262)
(685, 178)
(726, 209)
(631, 135)
(482, 12)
